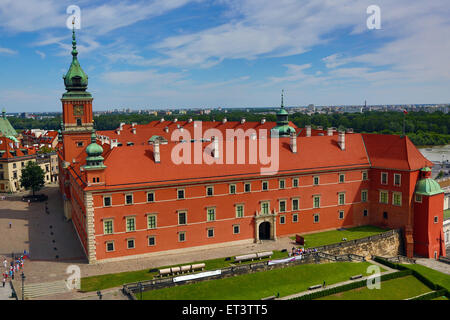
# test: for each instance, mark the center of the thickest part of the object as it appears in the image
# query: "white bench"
(262, 255)
(245, 257)
(164, 272)
(197, 266)
(186, 268)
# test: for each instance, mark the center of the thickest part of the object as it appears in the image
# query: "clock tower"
(77, 109)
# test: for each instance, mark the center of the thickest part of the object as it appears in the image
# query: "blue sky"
(229, 53)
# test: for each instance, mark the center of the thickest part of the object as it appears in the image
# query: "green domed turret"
(427, 186)
(94, 153)
(283, 128)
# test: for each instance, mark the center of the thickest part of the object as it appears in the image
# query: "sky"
(226, 53)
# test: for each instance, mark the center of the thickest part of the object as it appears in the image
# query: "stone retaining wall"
(386, 244)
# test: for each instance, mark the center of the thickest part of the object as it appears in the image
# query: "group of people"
(301, 251)
(12, 268)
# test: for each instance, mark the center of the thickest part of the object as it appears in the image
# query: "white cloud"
(7, 51)
(41, 54)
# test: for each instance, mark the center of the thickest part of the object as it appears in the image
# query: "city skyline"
(196, 54)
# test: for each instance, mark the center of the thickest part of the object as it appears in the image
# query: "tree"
(32, 177)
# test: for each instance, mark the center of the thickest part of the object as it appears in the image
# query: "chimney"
(189, 120)
(308, 131)
(330, 131)
(156, 152)
(349, 130)
(293, 142)
(161, 120)
(215, 147)
(175, 120)
(133, 130)
(133, 124)
(224, 120)
(341, 140)
(166, 129)
(121, 125)
(242, 120)
(114, 143)
(118, 132)
(263, 120)
(319, 128)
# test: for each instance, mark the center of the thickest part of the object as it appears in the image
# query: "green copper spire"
(75, 79)
(283, 128)
(427, 186)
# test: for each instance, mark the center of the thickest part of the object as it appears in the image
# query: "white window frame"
(314, 201)
(400, 179)
(387, 196)
(279, 205)
(295, 215)
(314, 218)
(282, 181)
(393, 198)
(341, 212)
(387, 178)
(339, 198)
(293, 182)
(156, 221)
(106, 246)
(178, 194)
(148, 241)
(110, 201)
(126, 224)
(132, 199)
(104, 226)
(366, 192)
(153, 193)
(230, 186)
(314, 180)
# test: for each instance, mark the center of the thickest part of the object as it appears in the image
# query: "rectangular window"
(384, 178)
(239, 211)
(316, 218)
(341, 215)
(182, 218)
(211, 214)
(265, 185)
(397, 199)
(129, 199)
(236, 229)
(131, 224)
(282, 184)
(232, 189)
(209, 191)
(282, 219)
(210, 233)
(316, 202)
(316, 180)
(247, 187)
(108, 227)
(106, 201)
(282, 205)
(365, 213)
(419, 198)
(295, 182)
(130, 243)
(385, 215)
(295, 204)
(151, 221)
(182, 236)
(383, 197)
(150, 197)
(364, 196)
(341, 198)
(341, 178)
(180, 193)
(110, 246)
(295, 217)
(436, 219)
(397, 179)
(151, 240)
(265, 208)
(364, 176)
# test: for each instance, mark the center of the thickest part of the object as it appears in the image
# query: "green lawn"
(106, 281)
(433, 275)
(254, 286)
(395, 289)
(336, 236)
(446, 214)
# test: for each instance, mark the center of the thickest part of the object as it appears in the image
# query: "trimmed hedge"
(438, 289)
(431, 295)
(350, 286)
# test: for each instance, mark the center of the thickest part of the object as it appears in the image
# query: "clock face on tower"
(78, 110)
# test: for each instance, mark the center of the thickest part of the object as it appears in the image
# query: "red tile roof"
(394, 152)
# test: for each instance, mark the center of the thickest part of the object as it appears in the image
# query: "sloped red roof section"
(394, 152)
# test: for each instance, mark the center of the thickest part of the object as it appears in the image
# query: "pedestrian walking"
(5, 263)
(4, 281)
(10, 224)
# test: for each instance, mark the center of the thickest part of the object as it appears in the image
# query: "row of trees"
(422, 128)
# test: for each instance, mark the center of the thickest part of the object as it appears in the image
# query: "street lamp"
(23, 282)
(141, 288)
